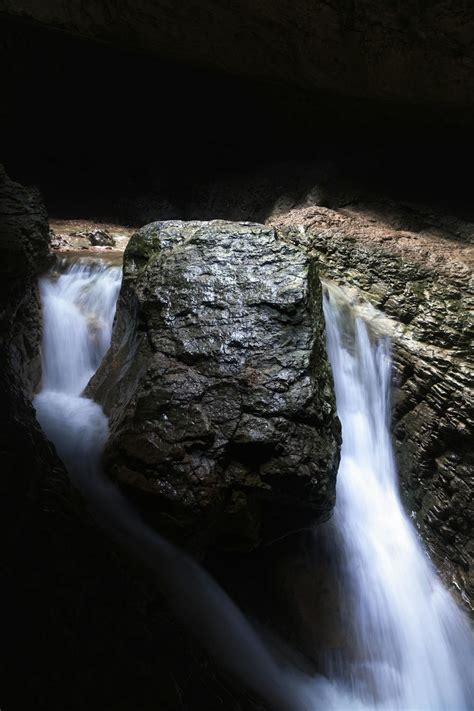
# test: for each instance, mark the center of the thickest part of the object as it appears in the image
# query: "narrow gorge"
(236, 357)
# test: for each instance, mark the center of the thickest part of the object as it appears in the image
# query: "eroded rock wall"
(217, 382)
(423, 281)
(24, 253)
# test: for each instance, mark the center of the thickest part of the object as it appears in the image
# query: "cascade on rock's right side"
(411, 646)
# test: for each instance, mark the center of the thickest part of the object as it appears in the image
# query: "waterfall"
(413, 649)
(413, 646)
(78, 303)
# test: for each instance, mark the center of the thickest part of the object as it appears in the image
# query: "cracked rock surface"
(217, 383)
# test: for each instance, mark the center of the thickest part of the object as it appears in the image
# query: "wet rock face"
(26, 458)
(24, 253)
(422, 280)
(217, 382)
(434, 427)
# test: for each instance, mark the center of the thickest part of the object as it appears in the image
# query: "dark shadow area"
(110, 134)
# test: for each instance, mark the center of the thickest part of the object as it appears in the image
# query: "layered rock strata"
(422, 280)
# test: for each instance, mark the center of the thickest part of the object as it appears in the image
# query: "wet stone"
(217, 382)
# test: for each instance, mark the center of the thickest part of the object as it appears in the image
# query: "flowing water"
(413, 646)
(78, 303)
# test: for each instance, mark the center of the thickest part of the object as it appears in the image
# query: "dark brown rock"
(217, 382)
(24, 253)
(97, 238)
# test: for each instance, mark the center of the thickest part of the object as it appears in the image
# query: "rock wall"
(24, 253)
(217, 382)
(423, 281)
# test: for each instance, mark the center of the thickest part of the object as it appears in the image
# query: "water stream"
(413, 646)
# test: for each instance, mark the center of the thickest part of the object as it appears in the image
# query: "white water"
(78, 305)
(414, 649)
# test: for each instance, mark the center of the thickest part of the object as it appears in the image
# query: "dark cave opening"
(112, 134)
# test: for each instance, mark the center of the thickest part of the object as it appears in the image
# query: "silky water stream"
(413, 647)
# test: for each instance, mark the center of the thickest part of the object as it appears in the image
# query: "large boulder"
(217, 383)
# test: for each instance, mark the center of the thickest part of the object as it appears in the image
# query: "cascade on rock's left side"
(78, 312)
